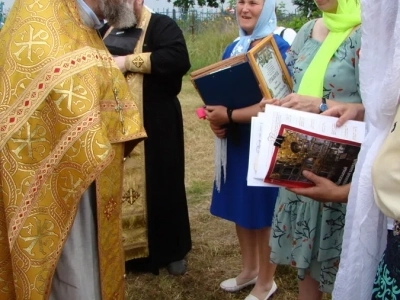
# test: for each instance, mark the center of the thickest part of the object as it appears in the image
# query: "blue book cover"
(232, 86)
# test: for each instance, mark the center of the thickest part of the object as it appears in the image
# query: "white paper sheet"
(266, 125)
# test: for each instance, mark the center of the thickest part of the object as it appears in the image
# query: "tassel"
(220, 157)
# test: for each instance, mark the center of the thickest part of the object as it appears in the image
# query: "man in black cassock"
(154, 57)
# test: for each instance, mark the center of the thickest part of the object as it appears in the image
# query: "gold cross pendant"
(119, 109)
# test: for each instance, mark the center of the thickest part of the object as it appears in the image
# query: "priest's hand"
(324, 189)
(120, 61)
(217, 115)
(220, 132)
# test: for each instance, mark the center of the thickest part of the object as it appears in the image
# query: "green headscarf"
(340, 25)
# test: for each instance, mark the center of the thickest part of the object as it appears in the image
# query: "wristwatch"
(323, 106)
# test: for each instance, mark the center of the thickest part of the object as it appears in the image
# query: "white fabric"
(365, 230)
(77, 275)
(288, 35)
(390, 223)
(89, 18)
(220, 158)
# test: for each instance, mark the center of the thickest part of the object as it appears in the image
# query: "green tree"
(289, 20)
(307, 8)
(281, 11)
(186, 4)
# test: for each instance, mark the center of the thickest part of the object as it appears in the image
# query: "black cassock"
(168, 219)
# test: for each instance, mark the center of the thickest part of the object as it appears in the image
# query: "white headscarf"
(266, 24)
(365, 230)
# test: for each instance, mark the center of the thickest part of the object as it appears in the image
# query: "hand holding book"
(346, 112)
(217, 115)
(285, 142)
(243, 80)
(220, 132)
(324, 190)
(265, 102)
(301, 102)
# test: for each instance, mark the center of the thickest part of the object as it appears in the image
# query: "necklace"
(118, 107)
(90, 20)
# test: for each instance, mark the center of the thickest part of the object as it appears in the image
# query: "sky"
(159, 5)
(7, 3)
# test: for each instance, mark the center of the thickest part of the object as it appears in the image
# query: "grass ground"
(215, 255)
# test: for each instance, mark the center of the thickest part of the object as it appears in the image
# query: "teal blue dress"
(387, 280)
(307, 234)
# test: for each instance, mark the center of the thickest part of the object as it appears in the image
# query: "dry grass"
(215, 255)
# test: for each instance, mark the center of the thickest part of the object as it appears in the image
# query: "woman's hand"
(220, 132)
(264, 102)
(345, 112)
(217, 115)
(324, 189)
(120, 61)
(300, 102)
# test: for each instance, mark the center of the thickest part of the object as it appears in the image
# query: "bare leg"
(248, 246)
(267, 269)
(309, 289)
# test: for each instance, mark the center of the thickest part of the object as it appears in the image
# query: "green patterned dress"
(307, 234)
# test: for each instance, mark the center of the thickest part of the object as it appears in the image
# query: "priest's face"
(118, 13)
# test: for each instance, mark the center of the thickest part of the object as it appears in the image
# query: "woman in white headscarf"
(377, 169)
(250, 208)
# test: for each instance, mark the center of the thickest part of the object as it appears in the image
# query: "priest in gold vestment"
(66, 120)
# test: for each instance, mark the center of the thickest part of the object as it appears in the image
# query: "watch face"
(323, 107)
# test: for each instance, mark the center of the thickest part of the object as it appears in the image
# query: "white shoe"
(270, 293)
(230, 285)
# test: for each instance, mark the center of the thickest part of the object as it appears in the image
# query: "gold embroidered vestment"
(59, 132)
(134, 221)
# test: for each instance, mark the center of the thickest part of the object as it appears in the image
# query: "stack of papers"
(285, 142)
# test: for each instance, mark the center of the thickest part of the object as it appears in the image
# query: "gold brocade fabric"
(134, 220)
(138, 63)
(59, 131)
(134, 216)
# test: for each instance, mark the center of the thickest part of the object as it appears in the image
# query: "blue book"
(243, 80)
(230, 83)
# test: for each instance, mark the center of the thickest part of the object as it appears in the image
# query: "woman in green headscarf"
(323, 61)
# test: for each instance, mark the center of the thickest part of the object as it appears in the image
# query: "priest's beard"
(119, 15)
